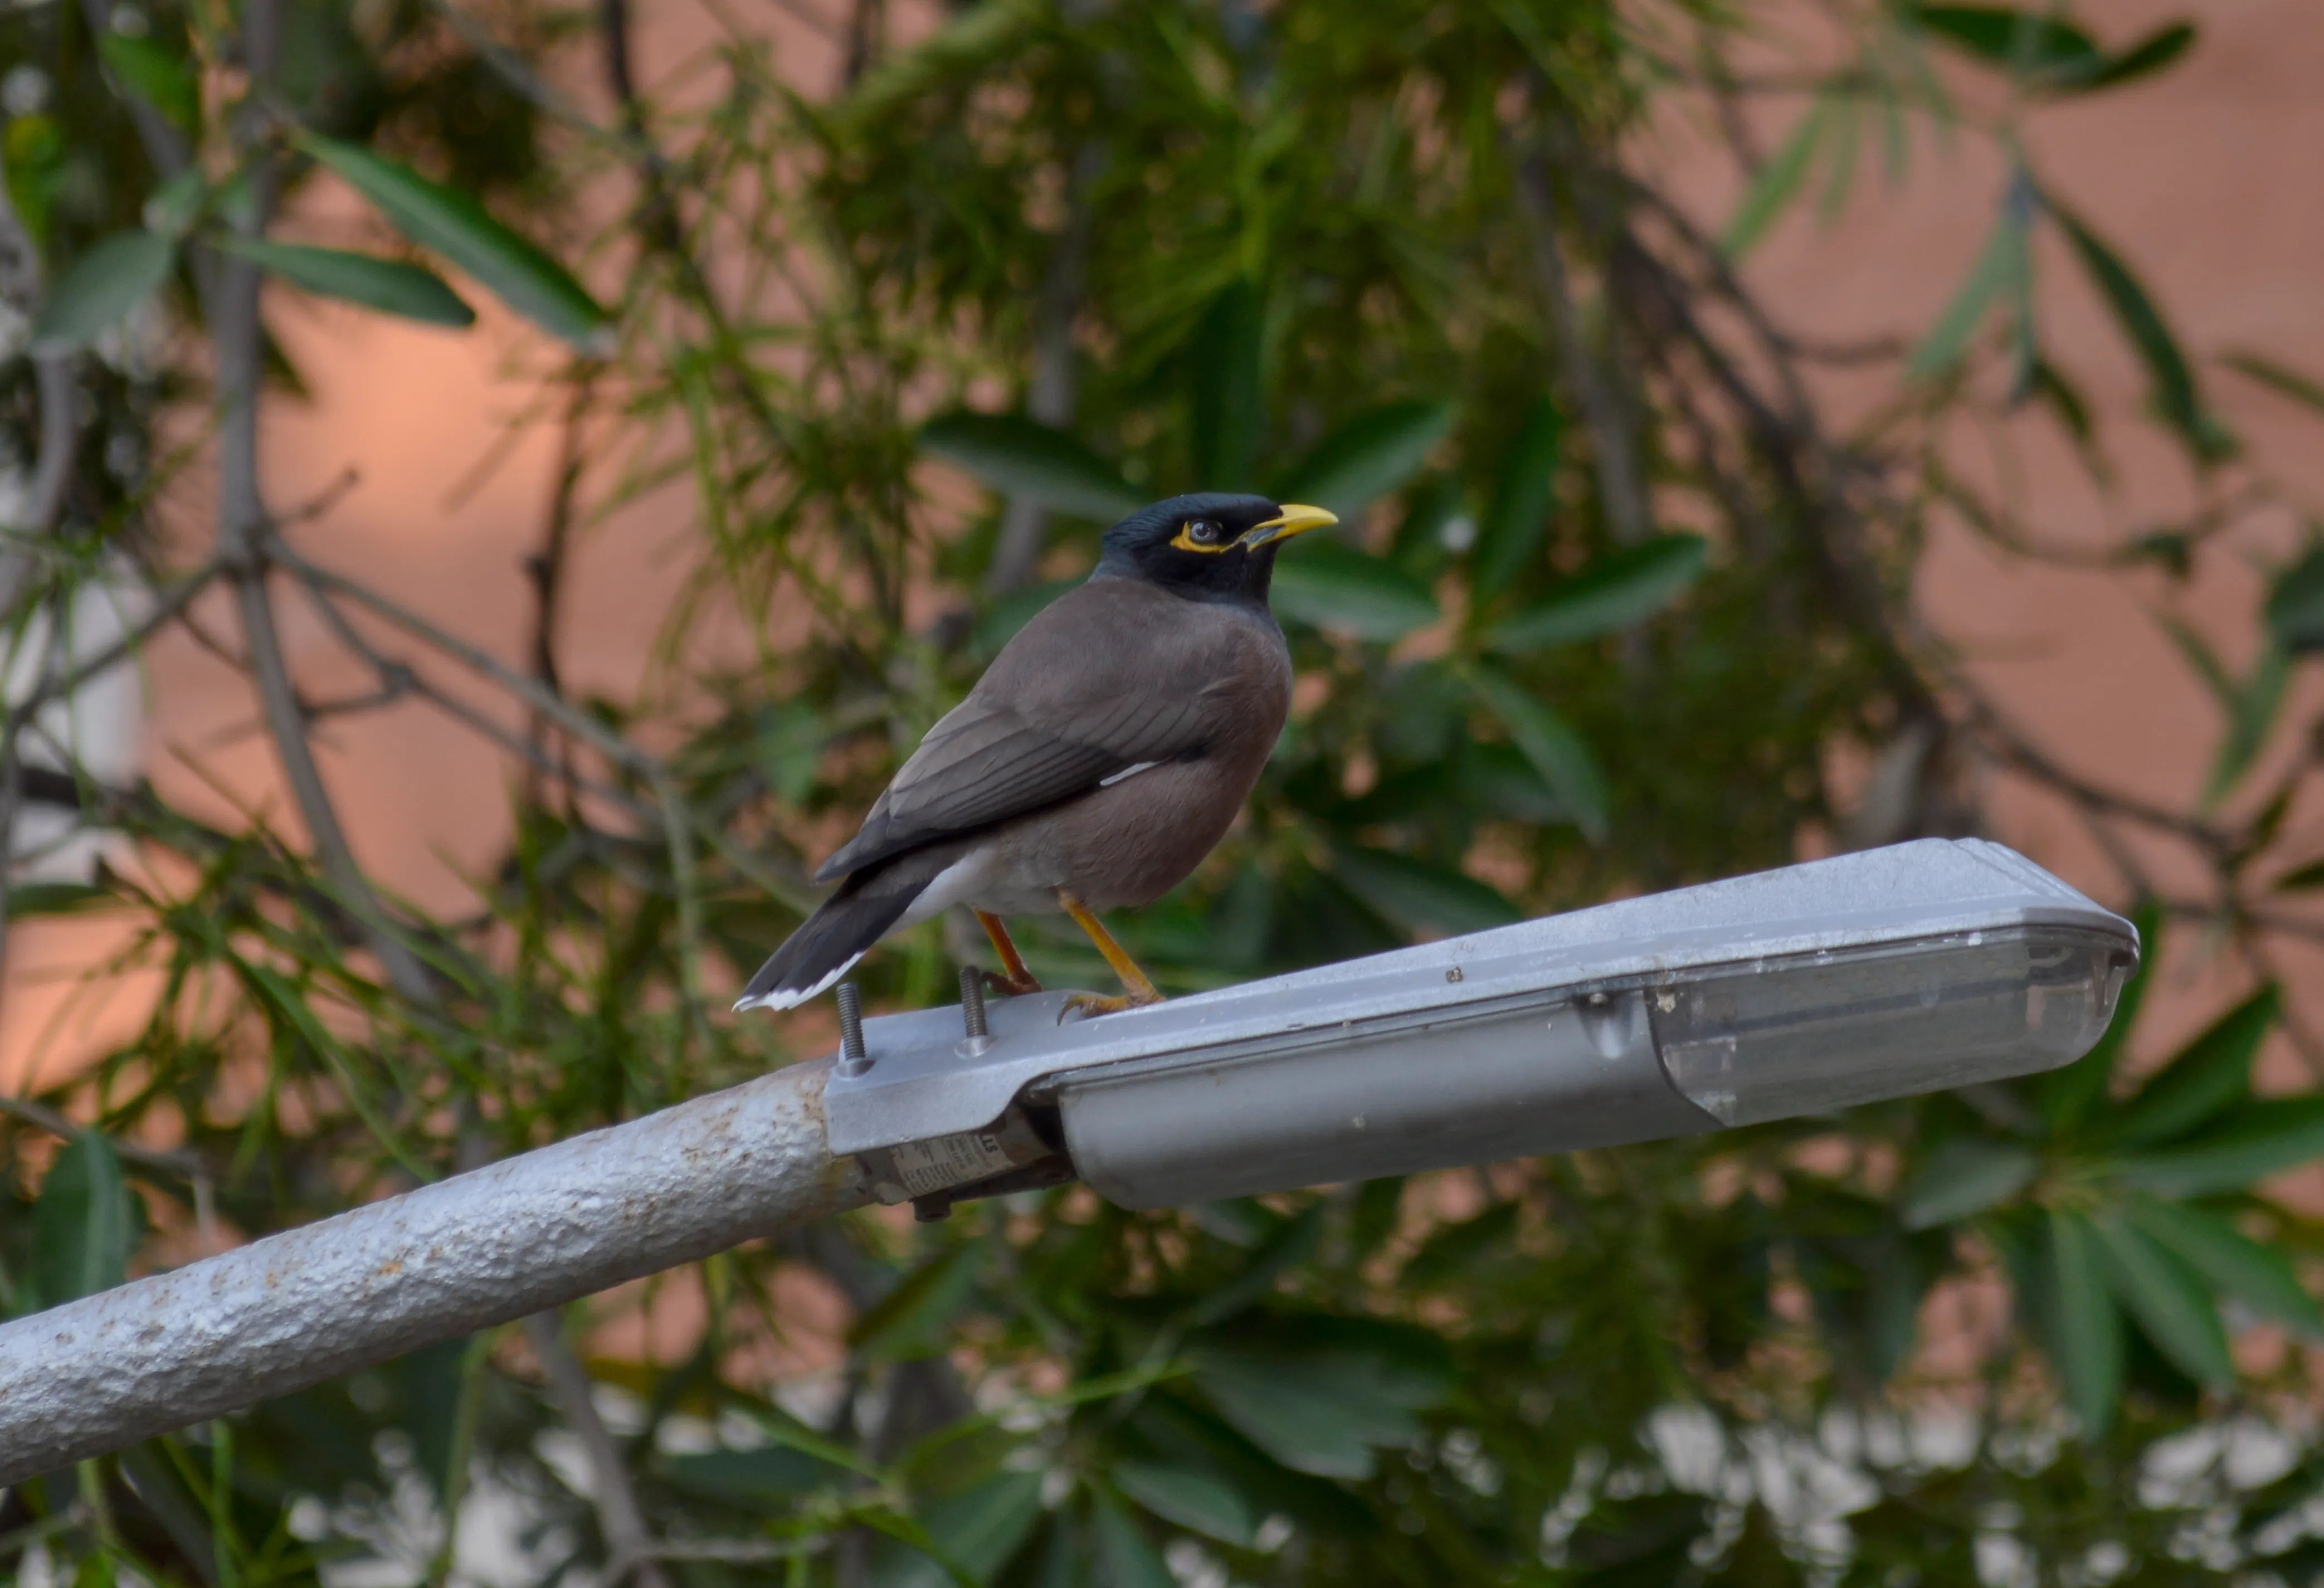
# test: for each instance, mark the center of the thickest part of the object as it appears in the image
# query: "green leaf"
(98, 290)
(1846, 138)
(1293, 1243)
(1199, 1501)
(2284, 379)
(1320, 1412)
(155, 76)
(981, 1528)
(2170, 1303)
(1511, 534)
(173, 207)
(1450, 1256)
(82, 1225)
(1613, 593)
(2205, 662)
(972, 36)
(2173, 381)
(2255, 1274)
(1368, 457)
(2065, 400)
(1340, 588)
(769, 1477)
(2295, 605)
(1020, 456)
(1964, 1176)
(1995, 270)
(434, 1386)
(2310, 876)
(2151, 54)
(1502, 779)
(2209, 1074)
(462, 232)
(1563, 757)
(792, 1434)
(388, 285)
(2250, 704)
(2086, 1344)
(28, 900)
(1229, 402)
(977, 1530)
(2253, 718)
(2257, 1140)
(169, 1498)
(2067, 1095)
(2016, 41)
(2050, 51)
(1778, 180)
(904, 1322)
(1420, 897)
(1128, 1561)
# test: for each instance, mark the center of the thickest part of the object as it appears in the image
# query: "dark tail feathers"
(867, 904)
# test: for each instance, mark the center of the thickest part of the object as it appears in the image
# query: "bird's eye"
(1201, 534)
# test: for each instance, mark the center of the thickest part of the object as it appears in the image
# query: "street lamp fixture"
(1801, 990)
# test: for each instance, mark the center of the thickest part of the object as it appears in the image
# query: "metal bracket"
(924, 1082)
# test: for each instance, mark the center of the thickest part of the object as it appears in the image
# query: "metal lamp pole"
(1800, 990)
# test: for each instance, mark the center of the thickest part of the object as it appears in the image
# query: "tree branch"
(1611, 450)
(571, 718)
(1024, 522)
(630, 1546)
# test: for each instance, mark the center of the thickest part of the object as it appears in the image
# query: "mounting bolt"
(971, 1013)
(852, 1060)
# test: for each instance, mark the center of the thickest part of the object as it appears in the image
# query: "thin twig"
(2016, 750)
(244, 530)
(1611, 452)
(1050, 398)
(630, 1545)
(168, 607)
(546, 568)
(571, 718)
(399, 677)
(187, 1165)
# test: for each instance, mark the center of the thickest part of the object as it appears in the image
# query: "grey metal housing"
(1487, 1045)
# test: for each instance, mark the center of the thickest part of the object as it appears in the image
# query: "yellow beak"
(1294, 519)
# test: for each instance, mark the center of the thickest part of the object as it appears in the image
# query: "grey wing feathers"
(1047, 723)
(995, 765)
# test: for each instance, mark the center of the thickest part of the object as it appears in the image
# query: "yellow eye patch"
(1186, 541)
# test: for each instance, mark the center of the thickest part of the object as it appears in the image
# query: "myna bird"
(1101, 755)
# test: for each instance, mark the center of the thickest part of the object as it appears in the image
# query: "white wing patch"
(1127, 772)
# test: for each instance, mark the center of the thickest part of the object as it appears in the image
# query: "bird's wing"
(1080, 695)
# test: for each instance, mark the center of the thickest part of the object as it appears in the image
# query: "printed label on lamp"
(925, 1167)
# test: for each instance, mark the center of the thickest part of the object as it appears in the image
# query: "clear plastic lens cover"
(1803, 1035)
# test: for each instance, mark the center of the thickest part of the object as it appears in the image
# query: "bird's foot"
(1092, 1004)
(1008, 986)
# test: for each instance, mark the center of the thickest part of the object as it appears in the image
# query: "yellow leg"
(1012, 978)
(1139, 989)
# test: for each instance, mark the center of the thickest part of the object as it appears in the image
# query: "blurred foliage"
(1613, 598)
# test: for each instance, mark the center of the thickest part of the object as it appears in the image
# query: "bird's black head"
(1210, 547)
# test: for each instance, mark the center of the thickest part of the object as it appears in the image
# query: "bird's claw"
(1092, 1004)
(1008, 986)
